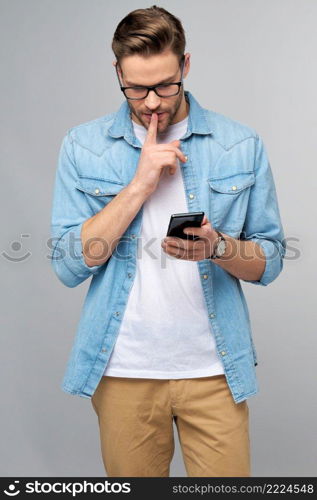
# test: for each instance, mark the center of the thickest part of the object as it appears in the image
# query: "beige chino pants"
(136, 418)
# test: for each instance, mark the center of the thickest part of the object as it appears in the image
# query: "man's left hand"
(192, 249)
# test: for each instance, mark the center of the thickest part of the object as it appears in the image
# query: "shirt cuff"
(69, 264)
(273, 262)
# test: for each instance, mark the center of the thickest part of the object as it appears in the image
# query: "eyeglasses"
(161, 90)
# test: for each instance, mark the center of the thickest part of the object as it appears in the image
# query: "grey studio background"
(253, 60)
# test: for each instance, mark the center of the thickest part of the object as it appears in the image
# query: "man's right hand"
(154, 158)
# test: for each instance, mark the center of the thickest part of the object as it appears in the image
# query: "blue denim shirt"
(227, 175)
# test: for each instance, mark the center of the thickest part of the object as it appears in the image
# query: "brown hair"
(148, 31)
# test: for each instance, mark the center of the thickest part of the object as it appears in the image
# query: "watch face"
(221, 248)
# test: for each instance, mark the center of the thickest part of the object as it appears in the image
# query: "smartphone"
(178, 222)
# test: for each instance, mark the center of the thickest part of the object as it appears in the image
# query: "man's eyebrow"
(159, 83)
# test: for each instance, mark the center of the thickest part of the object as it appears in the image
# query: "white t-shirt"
(165, 331)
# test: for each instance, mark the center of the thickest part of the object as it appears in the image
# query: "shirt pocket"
(229, 197)
(99, 192)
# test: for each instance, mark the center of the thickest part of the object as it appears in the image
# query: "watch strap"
(220, 238)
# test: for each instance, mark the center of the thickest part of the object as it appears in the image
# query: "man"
(164, 334)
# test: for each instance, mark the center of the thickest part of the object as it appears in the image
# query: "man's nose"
(152, 101)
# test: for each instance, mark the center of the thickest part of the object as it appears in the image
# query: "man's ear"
(187, 64)
(115, 63)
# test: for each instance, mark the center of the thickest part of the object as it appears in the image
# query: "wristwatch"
(220, 246)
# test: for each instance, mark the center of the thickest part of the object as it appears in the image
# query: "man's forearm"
(101, 233)
(243, 259)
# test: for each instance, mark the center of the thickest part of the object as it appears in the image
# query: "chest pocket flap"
(232, 184)
(99, 187)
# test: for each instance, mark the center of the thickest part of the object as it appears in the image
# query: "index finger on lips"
(152, 130)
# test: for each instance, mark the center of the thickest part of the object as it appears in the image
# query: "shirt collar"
(197, 123)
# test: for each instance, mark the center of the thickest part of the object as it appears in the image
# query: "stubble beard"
(171, 114)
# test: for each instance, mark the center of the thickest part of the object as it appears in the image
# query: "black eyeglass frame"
(152, 87)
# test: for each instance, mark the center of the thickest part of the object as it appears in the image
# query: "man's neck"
(182, 112)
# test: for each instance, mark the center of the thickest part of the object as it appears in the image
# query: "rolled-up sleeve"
(70, 209)
(263, 221)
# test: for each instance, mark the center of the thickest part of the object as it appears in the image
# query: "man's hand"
(243, 259)
(154, 157)
(192, 249)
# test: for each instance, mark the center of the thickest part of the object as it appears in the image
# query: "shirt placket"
(194, 204)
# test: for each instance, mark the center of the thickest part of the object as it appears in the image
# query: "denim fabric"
(227, 175)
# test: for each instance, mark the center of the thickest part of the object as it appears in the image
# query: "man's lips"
(160, 115)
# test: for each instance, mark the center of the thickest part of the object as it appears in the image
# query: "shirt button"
(212, 315)
(129, 275)
(103, 350)
(117, 313)
(234, 188)
(191, 196)
(97, 191)
(205, 276)
(223, 353)
(133, 236)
